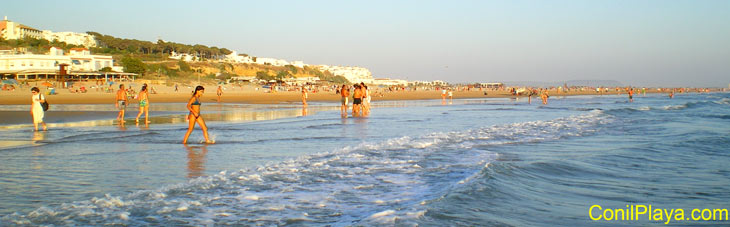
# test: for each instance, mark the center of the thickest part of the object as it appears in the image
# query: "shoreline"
(68, 115)
(260, 97)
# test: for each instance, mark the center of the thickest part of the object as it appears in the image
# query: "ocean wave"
(675, 107)
(370, 183)
(723, 101)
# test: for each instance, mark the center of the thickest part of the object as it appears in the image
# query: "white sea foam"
(675, 107)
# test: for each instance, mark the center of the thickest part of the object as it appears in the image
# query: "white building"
(271, 61)
(79, 59)
(234, 57)
(438, 83)
(83, 60)
(184, 57)
(70, 38)
(389, 82)
(14, 30)
(353, 74)
(299, 64)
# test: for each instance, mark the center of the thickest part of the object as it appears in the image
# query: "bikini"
(196, 103)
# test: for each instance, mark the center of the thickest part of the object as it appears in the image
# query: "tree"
(105, 69)
(261, 75)
(282, 74)
(133, 65)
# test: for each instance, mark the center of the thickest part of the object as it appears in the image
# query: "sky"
(637, 42)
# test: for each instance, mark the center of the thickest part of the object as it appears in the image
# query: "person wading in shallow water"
(36, 110)
(304, 96)
(194, 116)
(144, 105)
(344, 93)
(544, 95)
(219, 92)
(121, 103)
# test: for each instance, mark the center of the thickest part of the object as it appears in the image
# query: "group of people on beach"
(360, 100)
(193, 106)
(122, 100)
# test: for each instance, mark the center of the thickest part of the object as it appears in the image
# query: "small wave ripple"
(370, 183)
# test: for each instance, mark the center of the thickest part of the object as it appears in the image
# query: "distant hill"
(590, 83)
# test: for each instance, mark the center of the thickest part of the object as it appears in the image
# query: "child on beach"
(194, 116)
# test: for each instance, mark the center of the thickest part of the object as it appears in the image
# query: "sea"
(466, 162)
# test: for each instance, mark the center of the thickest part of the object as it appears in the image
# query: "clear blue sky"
(665, 43)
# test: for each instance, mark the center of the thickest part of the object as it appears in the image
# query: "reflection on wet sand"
(175, 113)
(38, 152)
(196, 160)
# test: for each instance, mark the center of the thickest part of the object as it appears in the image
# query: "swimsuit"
(122, 104)
(143, 103)
(196, 103)
(357, 101)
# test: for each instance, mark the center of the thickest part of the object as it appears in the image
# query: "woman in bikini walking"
(194, 116)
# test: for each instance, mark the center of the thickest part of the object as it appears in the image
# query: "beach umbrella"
(10, 81)
(47, 84)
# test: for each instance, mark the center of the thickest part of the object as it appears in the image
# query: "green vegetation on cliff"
(153, 51)
(33, 45)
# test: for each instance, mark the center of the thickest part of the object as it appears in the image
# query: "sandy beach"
(255, 94)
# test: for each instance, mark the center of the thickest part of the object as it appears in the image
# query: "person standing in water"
(356, 100)
(631, 95)
(304, 96)
(121, 103)
(544, 95)
(365, 99)
(194, 116)
(144, 105)
(36, 110)
(344, 93)
(219, 92)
